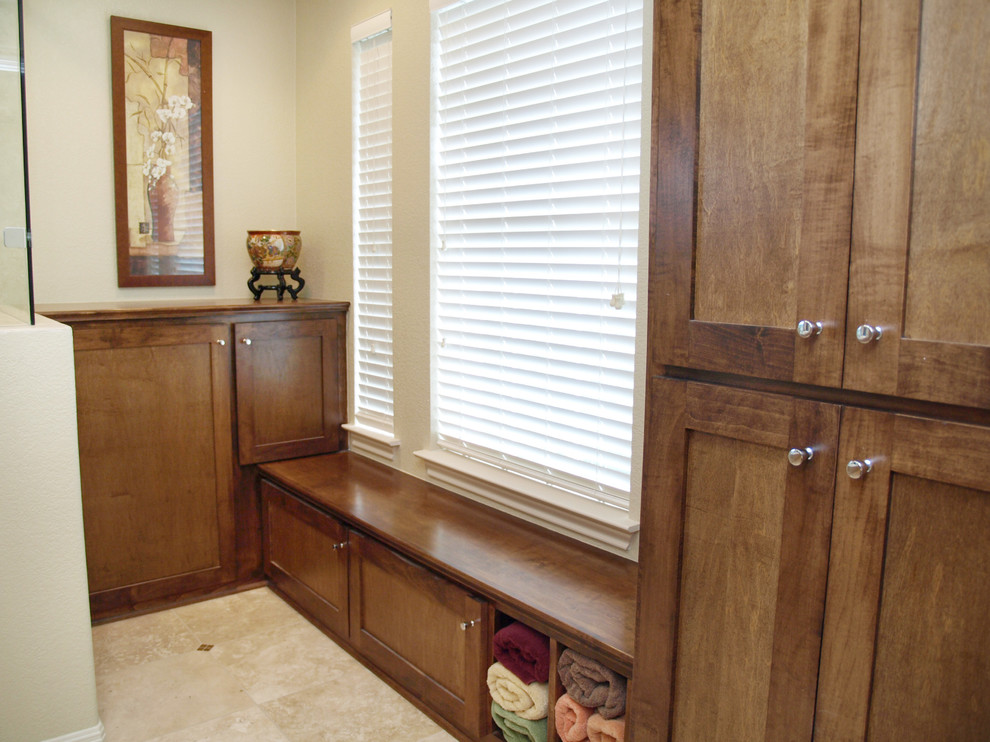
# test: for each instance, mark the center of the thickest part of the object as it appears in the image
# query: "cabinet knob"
(338, 547)
(246, 341)
(221, 343)
(859, 469)
(798, 456)
(808, 329)
(868, 333)
(465, 625)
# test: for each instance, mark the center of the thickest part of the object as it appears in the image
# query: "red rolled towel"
(523, 651)
(592, 684)
(571, 719)
(601, 729)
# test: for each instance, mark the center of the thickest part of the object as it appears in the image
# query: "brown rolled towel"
(571, 719)
(592, 684)
(524, 651)
(606, 730)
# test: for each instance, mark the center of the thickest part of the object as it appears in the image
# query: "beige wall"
(324, 159)
(47, 685)
(67, 63)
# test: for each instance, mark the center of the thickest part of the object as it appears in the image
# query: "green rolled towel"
(516, 729)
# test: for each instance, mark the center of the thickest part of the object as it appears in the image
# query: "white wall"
(47, 684)
(324, 162)
(67, 64)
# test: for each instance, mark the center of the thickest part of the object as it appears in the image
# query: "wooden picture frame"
(163, 153)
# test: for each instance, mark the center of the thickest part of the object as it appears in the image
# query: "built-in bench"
(581, 597)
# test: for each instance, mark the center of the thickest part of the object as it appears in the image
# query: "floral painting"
(162, 153)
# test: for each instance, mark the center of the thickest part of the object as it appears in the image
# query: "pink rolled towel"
(571, 719)
(524, 651)
(601, 729)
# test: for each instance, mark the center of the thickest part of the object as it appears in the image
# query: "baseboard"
(93, 734)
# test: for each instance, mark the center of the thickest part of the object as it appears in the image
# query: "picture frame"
(162, 94)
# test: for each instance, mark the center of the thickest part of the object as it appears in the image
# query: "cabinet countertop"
(119, 310)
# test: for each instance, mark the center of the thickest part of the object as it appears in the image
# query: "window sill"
(593, 522)
(371, 442)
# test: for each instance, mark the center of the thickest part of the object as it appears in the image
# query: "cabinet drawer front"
(408, 621)
(306, 555)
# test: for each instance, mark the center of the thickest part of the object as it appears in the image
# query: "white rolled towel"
(529, 702)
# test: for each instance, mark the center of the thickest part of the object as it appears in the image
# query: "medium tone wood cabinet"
(306, 557)
(165, 396)
(431, 635)
(820, 259)
(155, 452)
(820, 202)
(733, 574)
(290, 387)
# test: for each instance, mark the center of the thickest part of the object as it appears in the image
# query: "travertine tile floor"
(242, 668)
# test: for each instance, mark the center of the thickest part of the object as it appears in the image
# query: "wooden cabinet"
(291, 387)
(906, 648)
(306, 557)
(733, 574)
(753, 149)
(742, 542)
(426, 632)
(165, 396)
(154, 416)
(920, 264)
(835, 177)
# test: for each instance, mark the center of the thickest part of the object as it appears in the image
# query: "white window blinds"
(537, 168)
(372, 107)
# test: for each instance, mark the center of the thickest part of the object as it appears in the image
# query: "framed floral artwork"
(163, 153)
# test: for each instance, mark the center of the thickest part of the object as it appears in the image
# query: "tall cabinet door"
(291, 388)
(155, 459)
(906, 652)
(754, 121)
(920, 263)
(732, 577)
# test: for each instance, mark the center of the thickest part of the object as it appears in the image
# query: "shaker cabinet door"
(920, 263)
(753, 147)
(155, 459)
(429, 634)
(906, 648)
(291, 388)
(733, 564)
(306, 556)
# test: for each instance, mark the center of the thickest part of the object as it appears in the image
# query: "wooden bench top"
(569, 590)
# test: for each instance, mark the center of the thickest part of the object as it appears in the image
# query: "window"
(536, 159)
(372, 109)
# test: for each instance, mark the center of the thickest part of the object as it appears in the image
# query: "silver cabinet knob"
(859, 469)
(221, 343)
(798, 456)
(246, 341)
(341, 545)
(808, 329)
(465, 625)
(868, 333)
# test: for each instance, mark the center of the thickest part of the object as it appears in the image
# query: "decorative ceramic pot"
(272, 249)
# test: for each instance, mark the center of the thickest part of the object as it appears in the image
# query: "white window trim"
(587, 520)
(371, 442)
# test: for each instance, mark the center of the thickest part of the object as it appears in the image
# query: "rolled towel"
(571, 719)
(527, 700)
(524, 651)
(592, 684)
(601, 729)
(516, 729)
